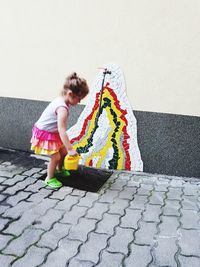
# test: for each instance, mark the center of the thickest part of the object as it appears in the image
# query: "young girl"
(49, 132)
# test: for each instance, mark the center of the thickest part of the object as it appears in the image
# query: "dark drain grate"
(85, 178)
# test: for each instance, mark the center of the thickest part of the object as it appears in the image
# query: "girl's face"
(72, 98)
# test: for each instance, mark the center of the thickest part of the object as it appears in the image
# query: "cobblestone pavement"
(135, 220)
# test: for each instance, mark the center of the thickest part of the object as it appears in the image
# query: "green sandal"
(53, 183)
(63, 172)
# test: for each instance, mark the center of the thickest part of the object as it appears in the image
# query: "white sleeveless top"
(48, 119)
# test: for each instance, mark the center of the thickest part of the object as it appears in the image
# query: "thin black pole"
(106, 71)
(98, 113)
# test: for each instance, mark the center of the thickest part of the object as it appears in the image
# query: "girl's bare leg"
(54, 160)
(63, 153)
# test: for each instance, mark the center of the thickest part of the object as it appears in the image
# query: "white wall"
(156, 42)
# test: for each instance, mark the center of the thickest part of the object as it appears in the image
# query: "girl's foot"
(53, 183)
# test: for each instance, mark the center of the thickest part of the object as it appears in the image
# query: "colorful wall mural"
(106, 132)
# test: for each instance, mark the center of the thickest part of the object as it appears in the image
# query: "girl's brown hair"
(77, 85)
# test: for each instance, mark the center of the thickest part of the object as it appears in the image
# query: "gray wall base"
(169, 144)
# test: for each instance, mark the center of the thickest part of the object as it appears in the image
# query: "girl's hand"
(72, 152)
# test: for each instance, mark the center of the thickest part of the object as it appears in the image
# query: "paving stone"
(119, 206)
(13, 200)
(123, 175)
(32, 171)
(137, 178)
(2, 188)
(152, 212)
(190, 242)
(89, 251)
(138, 202)
(46, 221)
(171, 208)
(174, 193)
(176, 183)
(127, 193)
(2, 198)
(157, 198)
(190, 203)
(162, 181)
(107, 258)
(189, 261)
(165, 251)
(109, 196)
(6, 260)
(10, 171)
(14, 180)
(97, 211)
(3, 223)
(17, 210)
(76, 192)
(19, 245)
(107, 224)
(118, 185)
(75, 262)
(145, 234)
(74, 215)
(59, 257)
(61, 193)
(190, 189)
(144, 191)
(89, 199)
(2, 179)
(132, 183)
(81, 230)
(33, 257)
(51, 238)
(67, 203)
(37, 176)
(44, 171)
(190, 219)
(161, 187)
(149, 180)
(46, 204)
(35, 187)
(17, 227)
(139, 256)
(147, 186)
(169, 226)
(38, 197)
(4, 239)
(122, 246)
(130, 220)
(19, 186)
(3, 208)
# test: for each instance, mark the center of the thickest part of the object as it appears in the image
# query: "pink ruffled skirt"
(45, 143)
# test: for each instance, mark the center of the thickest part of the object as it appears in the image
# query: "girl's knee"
(63, 152)
(56, 156)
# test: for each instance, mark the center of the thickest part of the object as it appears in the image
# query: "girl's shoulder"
(59, 102)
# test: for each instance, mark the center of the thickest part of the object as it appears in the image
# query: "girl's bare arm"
(62, 114)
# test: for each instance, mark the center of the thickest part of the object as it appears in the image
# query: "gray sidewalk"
(135, 220)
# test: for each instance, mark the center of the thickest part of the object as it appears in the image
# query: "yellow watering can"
(71, 162)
